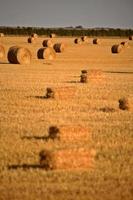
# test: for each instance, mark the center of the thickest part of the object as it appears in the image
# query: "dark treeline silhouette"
(70, 31)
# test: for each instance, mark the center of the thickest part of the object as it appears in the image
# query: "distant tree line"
(70, 31)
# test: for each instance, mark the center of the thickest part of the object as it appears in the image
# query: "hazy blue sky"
(61, 13)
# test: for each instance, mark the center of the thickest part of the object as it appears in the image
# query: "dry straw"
(59, 47)
(2, 51)
(46, 53)
(78, 41)
(31, 40)
(70, 134)
(68, 159)
(62, 93)
(47, 43)
(96, 41)
(96, 76)
(126, 103)
(117, 48)
(19, 55)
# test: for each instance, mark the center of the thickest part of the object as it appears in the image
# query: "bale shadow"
(118, 72)
(38, 97)
(46, 138)
(2, 63)
(107, 110)
(25, 166)
(71, 82)
(47, 63)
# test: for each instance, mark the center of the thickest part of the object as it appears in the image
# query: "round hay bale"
(31, 40)
(46, 53)
(83, 78)
(59, 47)
(84, 38)
(47, 43)
(84, 71)
(34, 35)
(2, 51)
(19, 55)
(124, 43)
(46, 159)
(54, 132)
(77, 41)
(50, 93)
(126, 103)
(1, 34)
(131, 37)
(116, 48)
(52, 35)
(96, 41)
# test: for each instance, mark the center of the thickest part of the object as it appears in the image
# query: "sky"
(65, 13)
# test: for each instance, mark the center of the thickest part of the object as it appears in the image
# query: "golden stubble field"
(25, 116)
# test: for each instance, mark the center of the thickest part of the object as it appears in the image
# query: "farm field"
(25, 118)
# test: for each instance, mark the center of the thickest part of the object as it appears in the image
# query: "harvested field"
(96, 76)
(25, 117)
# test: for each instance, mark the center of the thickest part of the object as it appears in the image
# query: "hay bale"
(52, 35)
(50, 93)
(48, 43)
(126, 103)
(19, 55)
(2, 51)
(46, 159)
(31, 40)
(107, 109)
(131, 37)
(124, 43)
(70, 133)
(78, 41)
(34, 35)
(96, 41)
(84, 38)
(116, 48)
(67, 159)
(1, 34)
(62, 93)
(46, 53)
(59, 47)
(53, 132)
(84, 71)
(84, 78)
